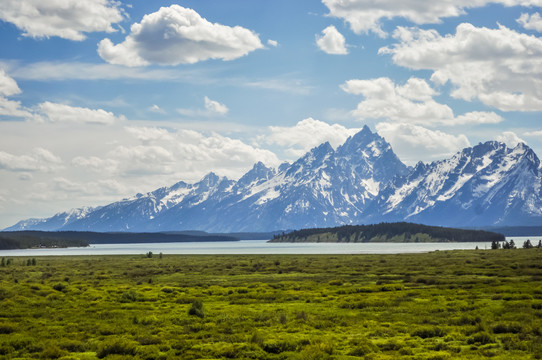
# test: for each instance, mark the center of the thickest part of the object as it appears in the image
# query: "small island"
(400, 232)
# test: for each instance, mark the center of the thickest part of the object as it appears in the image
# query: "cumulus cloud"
(307, 134)
(96, 164)
(61, 113)
(48, 111)
(211, 108)
(156, 109)
(332, 41)
(531, 21)
(510, 138)
(412, 102)
(367, 15)
(215, 107)
(38, 160)
(177, 154)
(68, 19)
(12, 108)
(9, 87)
(144, 159)
(413, 143)
(272, 43)
(500, 67)
(177, 35)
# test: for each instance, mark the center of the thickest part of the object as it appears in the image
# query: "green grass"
(441, 305)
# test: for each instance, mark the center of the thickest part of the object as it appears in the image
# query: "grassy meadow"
(442, 305)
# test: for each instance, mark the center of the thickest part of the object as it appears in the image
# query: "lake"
(258, 247)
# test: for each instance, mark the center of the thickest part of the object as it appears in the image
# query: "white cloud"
(332, 41)
(212, 108)
(12, 108)
(176, 35)
(366, 15)
(68, 19)
(48, 111)
(38, 160)
(60, 71)
(510, 138)
(8, 86)
(287, 85)
(149, 153)
(531, 21)
(272, 43)
(478, 117)
(412, 102)
(96, 164)
(215, 107)
(500, 67)
(413, 143)
(307, 134)
(147, 134)
(143, 159)
(536, 133)
(61, 113)
(156, 109)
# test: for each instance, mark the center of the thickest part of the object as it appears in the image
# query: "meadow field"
(471, 304)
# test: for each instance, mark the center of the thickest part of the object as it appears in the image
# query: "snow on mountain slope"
(362, 181)
(489, 184)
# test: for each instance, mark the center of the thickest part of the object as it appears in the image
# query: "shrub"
(52, 352)
(73, 346)
(362, 347)
(429, 332)
(196, 309)
(503, 328)
(59, 287)
(129, 296)
(278, 346)
(480, 338)
(117, 346)
(6, 328)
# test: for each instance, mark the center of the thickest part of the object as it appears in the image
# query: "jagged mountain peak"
(312, 159)
(362, 181)
(258, 174)
(360, 140)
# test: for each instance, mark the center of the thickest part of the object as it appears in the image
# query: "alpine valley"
(360, 182)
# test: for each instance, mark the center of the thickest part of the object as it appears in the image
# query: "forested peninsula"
(388, 232)
(61, 239)
(37, 239)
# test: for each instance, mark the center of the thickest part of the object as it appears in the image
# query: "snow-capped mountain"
(488, 184)
(362, 181)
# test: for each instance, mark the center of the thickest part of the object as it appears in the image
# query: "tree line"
(399, 232)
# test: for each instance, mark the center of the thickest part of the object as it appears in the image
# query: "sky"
(103, 99)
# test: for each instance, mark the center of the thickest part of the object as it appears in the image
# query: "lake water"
(258, 247)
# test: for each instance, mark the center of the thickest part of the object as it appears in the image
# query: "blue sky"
(102, 99)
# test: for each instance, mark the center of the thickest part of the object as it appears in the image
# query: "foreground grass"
(441, 305)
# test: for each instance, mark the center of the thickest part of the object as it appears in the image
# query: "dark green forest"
(388, 232)
(12, 241)
(33, 239)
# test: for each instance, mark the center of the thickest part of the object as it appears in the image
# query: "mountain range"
(360, 182)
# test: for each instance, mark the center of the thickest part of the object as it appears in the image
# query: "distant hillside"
(388, 232)
(37, 239)
(516, 230)
(87, 237)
